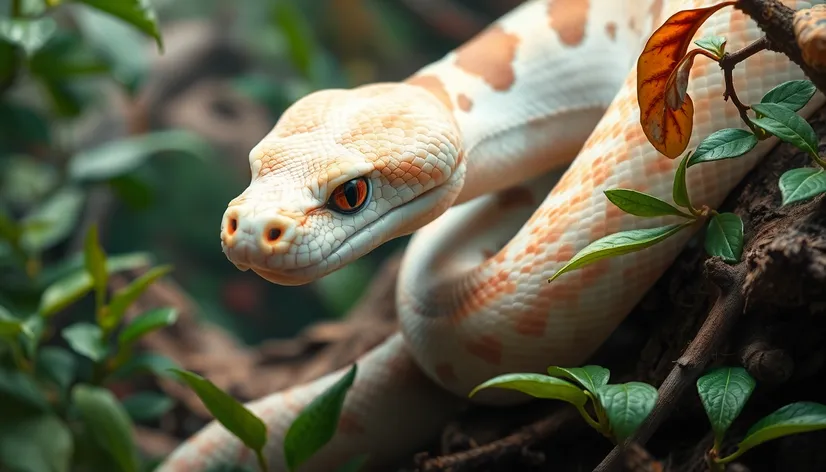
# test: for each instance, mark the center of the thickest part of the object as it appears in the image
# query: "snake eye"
(350, 196)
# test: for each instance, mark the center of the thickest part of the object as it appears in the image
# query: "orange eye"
(350, 197)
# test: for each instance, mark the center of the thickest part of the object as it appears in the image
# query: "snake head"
(342, 172)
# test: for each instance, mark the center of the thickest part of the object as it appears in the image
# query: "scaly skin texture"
(468, 153)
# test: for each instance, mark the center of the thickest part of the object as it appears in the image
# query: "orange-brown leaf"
(667, 129)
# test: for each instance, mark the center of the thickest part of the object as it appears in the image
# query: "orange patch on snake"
(658, 165)
(487, 348)
(569, 18)
(434, 85)
(446, 373)
(490, 56)
(464, 102)
(481, 293)
(611, 29)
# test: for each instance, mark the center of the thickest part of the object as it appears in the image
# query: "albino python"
(468, 154)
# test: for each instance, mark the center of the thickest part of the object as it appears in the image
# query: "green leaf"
(794, 94)
(157, 364)
(66, 56)
(298, 34)
(641, 204)
(119, 157)
(126, 296)
(41, 443)
(87, 340)
(802, 184)
(54, 220)
(19, 391)
(138, 13)
(679, 191)
(57, 365)
(316, 424)
(726, 143)
(627, 406)
(148, 322)
(794, 418)
(724, 392)
(95, 261)
(108, 423)
(536, 385)
(10, 326)
(591, 377)
(235, 417)
(29, 35)
(73, 286)
(786, 125)
(724, 237)
(713, 44)
(617, 244)
(147, 406)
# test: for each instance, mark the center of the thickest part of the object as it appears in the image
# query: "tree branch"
(727, 63)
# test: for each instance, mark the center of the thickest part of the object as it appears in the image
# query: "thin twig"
(721, 318)
(727, 63)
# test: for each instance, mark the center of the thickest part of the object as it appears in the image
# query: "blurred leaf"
(18, 390)
(234, 416)
(317, 423)
(23, 125)
(75, 284)
(148, 322)
(74, 263)
(299, 36)
(117, 158)
(794, 94)
(138, 13)
(66, 100)
(537, 386)
(724, 237)
(627, 406)
(57, 365)
(133, 191)
(28, 34)
(126, 296)
(147, 406)
(724, 392)
(41, 443)
(87, 340)
(56, 219)
(794, 418)
(24, 181)
(108, 423)
(591, 377)
(146, 362)
(10, 325)
(95, 261)
(802, 184)
(67, 56)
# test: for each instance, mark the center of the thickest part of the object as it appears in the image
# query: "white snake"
(496, 122)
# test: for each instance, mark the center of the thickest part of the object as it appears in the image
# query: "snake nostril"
(273, 234)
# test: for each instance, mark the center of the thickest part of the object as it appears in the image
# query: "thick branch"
(722, 317)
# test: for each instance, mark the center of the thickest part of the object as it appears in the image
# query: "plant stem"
(587, 417)
(262, 461)
(727, 63)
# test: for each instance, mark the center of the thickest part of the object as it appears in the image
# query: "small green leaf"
(87, 340)
(641, 204)
(10, 326)
(617, 244)
(138, 13)
(591, 377)
(726, 143)
(108, 423)
(157, 364)
(680, 191)
(95, 261)
(123, 298)
(54, 220)
(18, 390)
(235, 417)
(147, 406)
(724, 392)
(41, 443)
(627, 406)
(57, 365)
(800, 417)
(786, 125)
(802, 184)
(148, 322)
(724, 237)
(713, 44)
(317, 423)
(794, 94)
(30, 35)
(538, 386)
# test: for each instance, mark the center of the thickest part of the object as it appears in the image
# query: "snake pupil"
(350, 196)
(351, 193)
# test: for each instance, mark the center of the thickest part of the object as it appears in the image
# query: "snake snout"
(266, 234)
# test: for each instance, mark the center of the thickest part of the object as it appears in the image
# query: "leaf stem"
(727, 63)
(588, 419)
(262, 461)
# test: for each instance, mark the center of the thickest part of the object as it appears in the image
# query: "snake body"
(497, 157)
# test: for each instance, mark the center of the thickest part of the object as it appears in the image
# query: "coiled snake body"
(468, 153)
